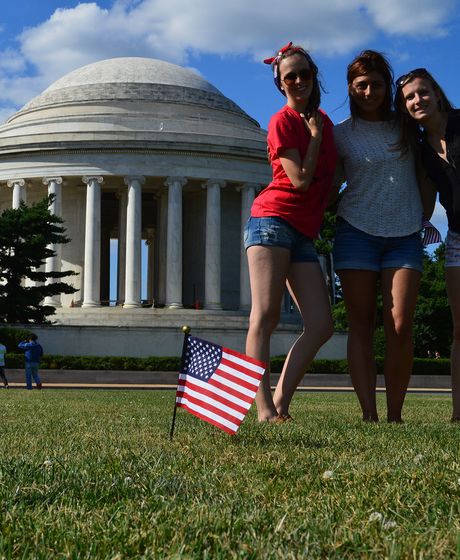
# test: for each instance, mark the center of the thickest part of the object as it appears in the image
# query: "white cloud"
(411, 17)
(11, 61)
(439, 219)
(6, 112)
(174, 29)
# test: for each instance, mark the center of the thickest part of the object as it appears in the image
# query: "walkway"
(99, 379)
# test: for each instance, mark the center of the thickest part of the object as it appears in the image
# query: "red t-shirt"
(304, 210)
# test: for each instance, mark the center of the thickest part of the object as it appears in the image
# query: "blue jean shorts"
(276, 232)
(355, 249)
(452, 249)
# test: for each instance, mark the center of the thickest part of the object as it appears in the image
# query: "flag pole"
(186, 330)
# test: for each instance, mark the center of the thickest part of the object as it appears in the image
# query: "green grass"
(92, 474)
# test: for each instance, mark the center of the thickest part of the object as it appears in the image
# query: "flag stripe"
(208, 396)
(255, 375)
(234, 396)
(246, 361)
(196, 400)
(226, 384)
(230, 368)
(233, 384)
(215, 419)
(229, 374)
(430, 233)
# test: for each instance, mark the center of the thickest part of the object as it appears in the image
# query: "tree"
(324, 245)
(25, 236)
(433, 320)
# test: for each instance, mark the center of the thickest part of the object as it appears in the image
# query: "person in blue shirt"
(2, 365)
(33, 353)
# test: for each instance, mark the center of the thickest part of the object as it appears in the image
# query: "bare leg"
(360, 294)
(268, 269)
(308, 289)
(453, 291)
(399, 293)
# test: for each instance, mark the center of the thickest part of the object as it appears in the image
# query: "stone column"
(19, 191)
(92, 271)
(133, 242)
(174, 242)
(248, 192)
(212, 279)
(121, 272)
(161, 246)
(105, 265)
(53, 264)
(150, 242)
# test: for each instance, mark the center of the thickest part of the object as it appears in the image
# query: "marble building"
(139, 151)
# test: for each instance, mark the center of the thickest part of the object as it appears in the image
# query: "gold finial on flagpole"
(186, 329)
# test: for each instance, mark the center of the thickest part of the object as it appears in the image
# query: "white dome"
(131, 79)
(136, 107)
(132, 70)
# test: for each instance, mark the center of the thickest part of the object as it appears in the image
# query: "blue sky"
(40, 40)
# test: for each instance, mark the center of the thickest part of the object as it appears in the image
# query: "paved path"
(154, 380)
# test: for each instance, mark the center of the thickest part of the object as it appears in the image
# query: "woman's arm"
(301, 172)
(427, 188)
(337, 182)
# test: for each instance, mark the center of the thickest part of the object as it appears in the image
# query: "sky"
(226, 41)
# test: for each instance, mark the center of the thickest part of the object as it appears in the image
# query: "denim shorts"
(276, 232)
(452, 249)
(355, 249)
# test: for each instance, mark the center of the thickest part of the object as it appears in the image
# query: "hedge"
(422, 366)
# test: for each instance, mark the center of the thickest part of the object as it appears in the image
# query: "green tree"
(25, 235)
(433, 320)
(324, 245)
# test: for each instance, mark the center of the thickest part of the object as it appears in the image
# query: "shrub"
(422, 366)
(318, 366)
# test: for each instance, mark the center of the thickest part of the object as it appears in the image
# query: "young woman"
(285, 218)
(430, 124)
(377, 242)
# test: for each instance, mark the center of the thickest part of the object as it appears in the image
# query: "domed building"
(136, 148)
(139, 152)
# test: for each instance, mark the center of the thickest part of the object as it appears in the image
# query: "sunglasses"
(402, 80)
(306, 75)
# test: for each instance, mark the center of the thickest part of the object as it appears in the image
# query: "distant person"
(437, 356)
(285, 219)
(33, 353)
(377, 243)
(429, 355)
(431, 125)
(2, 365)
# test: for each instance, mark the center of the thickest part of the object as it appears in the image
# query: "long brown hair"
(315, 96)
(372, 61)
(410, 131)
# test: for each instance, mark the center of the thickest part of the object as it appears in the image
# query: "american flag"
(430, 233)
(216, 384)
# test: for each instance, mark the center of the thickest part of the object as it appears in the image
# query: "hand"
(314, 124)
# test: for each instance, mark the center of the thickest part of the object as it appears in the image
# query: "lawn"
(92, 474)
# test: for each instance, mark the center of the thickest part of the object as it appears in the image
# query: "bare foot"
(278, 419)
(373, 419)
